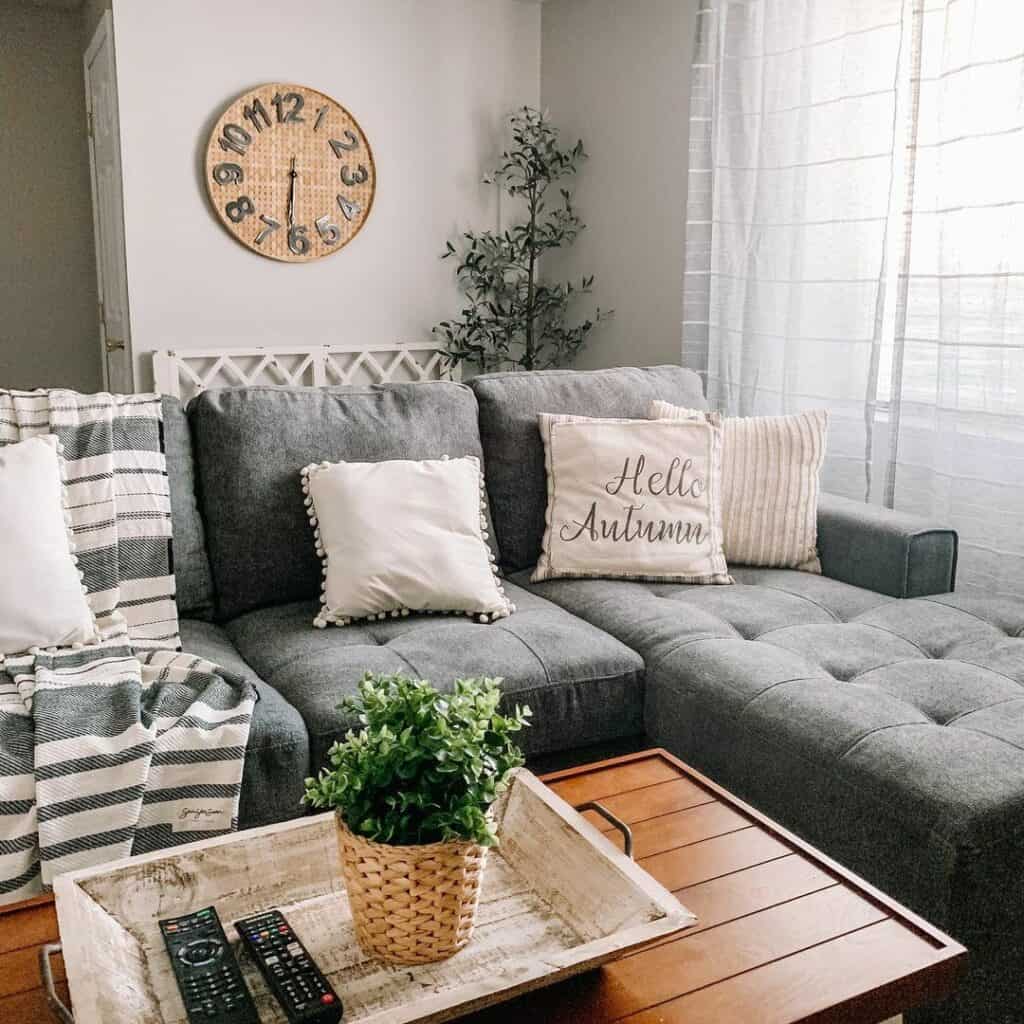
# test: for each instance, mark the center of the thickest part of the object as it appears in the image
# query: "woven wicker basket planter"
(411, 904)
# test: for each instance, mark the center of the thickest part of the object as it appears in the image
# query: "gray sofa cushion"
(277, 756)
(251, 444)
(889, 732)
(583, 686)
(509, 404)
(191, 564)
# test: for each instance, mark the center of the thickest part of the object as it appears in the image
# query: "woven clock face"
(290, 173)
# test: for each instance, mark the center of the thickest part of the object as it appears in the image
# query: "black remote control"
(209, 979)
(299, 985)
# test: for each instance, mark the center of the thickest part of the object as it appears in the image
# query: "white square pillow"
(42, 601)
(401, 536)
(632, 499)
(770, 485)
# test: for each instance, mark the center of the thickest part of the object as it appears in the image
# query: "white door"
(108, 209)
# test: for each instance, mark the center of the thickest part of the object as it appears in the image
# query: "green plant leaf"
(513, 319)
(426, 765)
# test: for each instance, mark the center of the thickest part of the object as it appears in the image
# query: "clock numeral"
(289, 116)
(320, 114)
(341, 148)
(228, 174)
(330, 233)
(254, 112)
(350, 179)
(235, 139)
(298, 240)
(348, 208)
(239, 209)
(271, 226)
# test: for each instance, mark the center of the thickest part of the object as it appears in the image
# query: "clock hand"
(292, 174)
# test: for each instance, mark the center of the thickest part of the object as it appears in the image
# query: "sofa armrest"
(883, 550)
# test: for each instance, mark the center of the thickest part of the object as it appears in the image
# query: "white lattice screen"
(187, 372)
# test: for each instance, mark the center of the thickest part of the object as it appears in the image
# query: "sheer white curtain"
(855, 240)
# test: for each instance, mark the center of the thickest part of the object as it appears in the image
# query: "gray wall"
(92, 12)
(618, 75)
(48, 312)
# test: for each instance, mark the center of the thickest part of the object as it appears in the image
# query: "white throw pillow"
(42, 601)
(770, 485)
(632, 499)
(401, 536)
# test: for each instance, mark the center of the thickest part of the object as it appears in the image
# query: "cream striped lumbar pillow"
(770, 468)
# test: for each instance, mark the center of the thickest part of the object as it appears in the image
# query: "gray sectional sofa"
(869, 709)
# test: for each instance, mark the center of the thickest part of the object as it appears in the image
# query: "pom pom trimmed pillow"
(401, 536)
(42, 599)
(632, 499)
(770, 470)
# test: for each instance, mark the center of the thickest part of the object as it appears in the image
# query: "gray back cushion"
(188, 546)
(251, 444)
(509, 404)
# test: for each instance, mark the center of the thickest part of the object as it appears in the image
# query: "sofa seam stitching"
(581, 681)
(883, 728)
(540, 661)
(694, 640)
(973, 615)
(984, 707)
(802, 597)
(782, 682)
(899, 636)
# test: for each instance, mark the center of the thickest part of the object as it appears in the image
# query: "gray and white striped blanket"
(127, 745)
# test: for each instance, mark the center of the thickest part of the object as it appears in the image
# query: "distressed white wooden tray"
(557, 899)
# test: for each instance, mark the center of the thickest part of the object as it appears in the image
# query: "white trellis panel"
(184, 373)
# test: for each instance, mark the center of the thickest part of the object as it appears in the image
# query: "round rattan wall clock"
(290, 173)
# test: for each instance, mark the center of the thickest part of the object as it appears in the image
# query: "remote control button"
(201, 952)
(327, 999)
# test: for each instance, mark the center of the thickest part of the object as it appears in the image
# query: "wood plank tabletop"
(784, 934)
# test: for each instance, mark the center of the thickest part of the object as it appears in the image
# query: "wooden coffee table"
(784, 933)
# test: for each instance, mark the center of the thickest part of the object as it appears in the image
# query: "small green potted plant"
(411, 791)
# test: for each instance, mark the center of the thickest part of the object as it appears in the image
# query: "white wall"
(617, 74)
(49, 322)
(430, 82)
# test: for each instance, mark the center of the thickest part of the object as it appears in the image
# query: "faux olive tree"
(514, 318)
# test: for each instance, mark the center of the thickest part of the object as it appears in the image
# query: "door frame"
(105, 34)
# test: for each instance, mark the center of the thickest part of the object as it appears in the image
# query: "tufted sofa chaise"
(869, 709)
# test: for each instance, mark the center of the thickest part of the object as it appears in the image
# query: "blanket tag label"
(196, 818)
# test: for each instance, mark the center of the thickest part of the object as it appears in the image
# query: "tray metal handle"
(57, 1008)
(627, 834)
